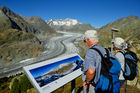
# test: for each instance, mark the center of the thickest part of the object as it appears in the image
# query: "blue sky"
(95, 12)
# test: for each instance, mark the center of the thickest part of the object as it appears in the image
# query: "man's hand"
(85, 84)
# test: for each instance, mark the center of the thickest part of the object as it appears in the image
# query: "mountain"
(10, 20)
(44, 29)
(128, 29)
(17, 38)
(61, 69)
(71, 25)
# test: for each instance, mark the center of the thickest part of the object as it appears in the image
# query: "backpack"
(130, 65)
(110, 69)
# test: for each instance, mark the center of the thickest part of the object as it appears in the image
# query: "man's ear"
(89, 43)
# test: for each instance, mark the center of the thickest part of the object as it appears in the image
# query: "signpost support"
(73, 86)
(112, 41)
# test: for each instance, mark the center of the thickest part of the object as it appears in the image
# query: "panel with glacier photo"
(51, 72)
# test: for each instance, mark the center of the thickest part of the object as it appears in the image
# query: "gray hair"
(119, 43)
(92, 35)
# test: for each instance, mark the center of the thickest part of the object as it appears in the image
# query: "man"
(118, 46)
(92, 62)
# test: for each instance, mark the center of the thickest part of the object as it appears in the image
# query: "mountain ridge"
(66, 22)
(17, 38)
(71, 25)
(128, 26)
(10, 20)
(44, 29)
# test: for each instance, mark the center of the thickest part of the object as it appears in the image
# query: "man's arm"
(90, 74)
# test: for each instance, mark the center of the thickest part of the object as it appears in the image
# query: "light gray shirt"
(121, 59)
(93, 60)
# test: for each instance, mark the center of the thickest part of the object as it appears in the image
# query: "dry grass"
(129, 89)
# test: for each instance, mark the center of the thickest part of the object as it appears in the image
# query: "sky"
(95, 12)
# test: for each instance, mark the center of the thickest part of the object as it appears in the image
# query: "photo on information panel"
(51, 72)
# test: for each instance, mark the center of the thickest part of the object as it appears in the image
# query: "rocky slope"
(10, 20)
(44, 29)
(21, 37)
(129, 29)
(17, 38)
(71, 25)
(18, 45)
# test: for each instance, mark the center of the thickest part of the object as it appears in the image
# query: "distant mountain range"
(71, 25)
(60, 22)
(61, 69)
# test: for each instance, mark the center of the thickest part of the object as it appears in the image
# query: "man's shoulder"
(119, 54)
(100, 48)
(92, 51)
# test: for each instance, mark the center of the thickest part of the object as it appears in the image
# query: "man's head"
(91, 37)
(119, 43)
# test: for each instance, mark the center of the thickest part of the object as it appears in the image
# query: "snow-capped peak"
(60, 22)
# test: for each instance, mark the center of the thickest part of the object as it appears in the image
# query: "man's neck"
(96, 43)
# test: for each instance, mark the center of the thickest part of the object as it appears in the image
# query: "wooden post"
(112, 42)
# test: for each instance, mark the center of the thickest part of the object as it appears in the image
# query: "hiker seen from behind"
(118, 47)
(99, 75)
(127, 58)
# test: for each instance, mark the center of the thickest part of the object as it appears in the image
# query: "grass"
(129, 89)
(21, 84)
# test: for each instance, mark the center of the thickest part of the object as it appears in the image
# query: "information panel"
(49, 75)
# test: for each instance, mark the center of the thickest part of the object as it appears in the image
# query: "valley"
(55, 47)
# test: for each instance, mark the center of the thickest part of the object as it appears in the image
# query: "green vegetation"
(4, 88)
(15, 87)
(20, 85)
(4, 85)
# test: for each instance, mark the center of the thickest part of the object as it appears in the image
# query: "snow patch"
(60, 22)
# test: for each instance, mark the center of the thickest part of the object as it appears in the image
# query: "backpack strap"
(122, 52)
(98, 52)
(124, 62)
(107, 53)
(103, 61)
(102, 57)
